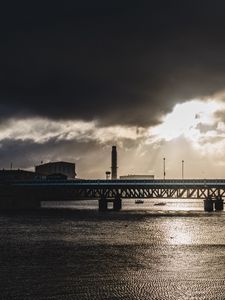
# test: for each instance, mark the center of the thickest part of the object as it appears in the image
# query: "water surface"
(142, 252)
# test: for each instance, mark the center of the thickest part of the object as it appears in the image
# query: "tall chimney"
(114, 163)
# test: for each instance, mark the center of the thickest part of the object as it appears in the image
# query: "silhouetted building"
(16, 175)
(134, 176)
(53, 168)
(114, 163)
(56, 176)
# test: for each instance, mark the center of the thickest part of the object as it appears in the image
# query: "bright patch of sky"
(196, 120)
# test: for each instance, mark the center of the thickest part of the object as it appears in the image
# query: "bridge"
(30, 194)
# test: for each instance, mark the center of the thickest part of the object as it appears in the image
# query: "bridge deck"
(111, 189)
(31, 193)
(125, 183)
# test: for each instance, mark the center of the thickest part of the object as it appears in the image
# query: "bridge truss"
(127, 189)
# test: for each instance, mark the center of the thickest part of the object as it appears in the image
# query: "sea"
(71, 250)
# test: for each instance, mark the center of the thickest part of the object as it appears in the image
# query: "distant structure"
(57, 176)
(114, 163)
(133, 176)
(16, 175)
(53, 168)
(107, 174)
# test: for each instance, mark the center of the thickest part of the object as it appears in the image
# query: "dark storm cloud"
(118, 65)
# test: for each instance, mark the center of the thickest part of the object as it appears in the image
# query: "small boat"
(139, 201)
(160, 203)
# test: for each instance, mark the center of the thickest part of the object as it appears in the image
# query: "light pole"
(182, 169)
(164, 168)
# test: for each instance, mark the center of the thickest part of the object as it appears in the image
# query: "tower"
(114, 163)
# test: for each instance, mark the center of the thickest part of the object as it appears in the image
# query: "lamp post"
(182, 169)
(164, 168)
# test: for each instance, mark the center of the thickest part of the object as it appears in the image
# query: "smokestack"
(114, 163)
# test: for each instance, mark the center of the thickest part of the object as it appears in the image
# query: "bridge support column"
(208, 204)
(102, 204)
(117, 204)
(219, 203)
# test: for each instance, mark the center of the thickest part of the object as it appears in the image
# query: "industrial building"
(16, 175)
(114, 163)
(60, 167)
(114, 168)
(133, 177)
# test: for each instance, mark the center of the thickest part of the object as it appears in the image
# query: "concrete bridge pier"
(219, 203)
(208, 204)
(117, 204)
(102, 204)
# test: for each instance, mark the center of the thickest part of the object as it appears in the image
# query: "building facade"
(133, 177)
(16, 175)
(60, 167)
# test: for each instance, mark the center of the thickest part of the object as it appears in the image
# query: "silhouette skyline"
(77, 78)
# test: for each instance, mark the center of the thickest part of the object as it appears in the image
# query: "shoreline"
(77, 213)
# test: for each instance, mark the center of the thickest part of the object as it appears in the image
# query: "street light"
(182, 169)
(164, 168)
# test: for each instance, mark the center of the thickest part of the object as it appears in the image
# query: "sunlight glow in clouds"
(194, 120)
(199, 122)
(42, 130)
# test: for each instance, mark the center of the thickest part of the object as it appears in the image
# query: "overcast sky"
(76, 79)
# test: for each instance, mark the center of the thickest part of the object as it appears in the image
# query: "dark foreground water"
(133, 254)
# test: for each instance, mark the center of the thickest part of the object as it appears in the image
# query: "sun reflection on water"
(178, 233)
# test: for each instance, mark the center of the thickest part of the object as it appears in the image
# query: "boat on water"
(160, 204)
(139, 201)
